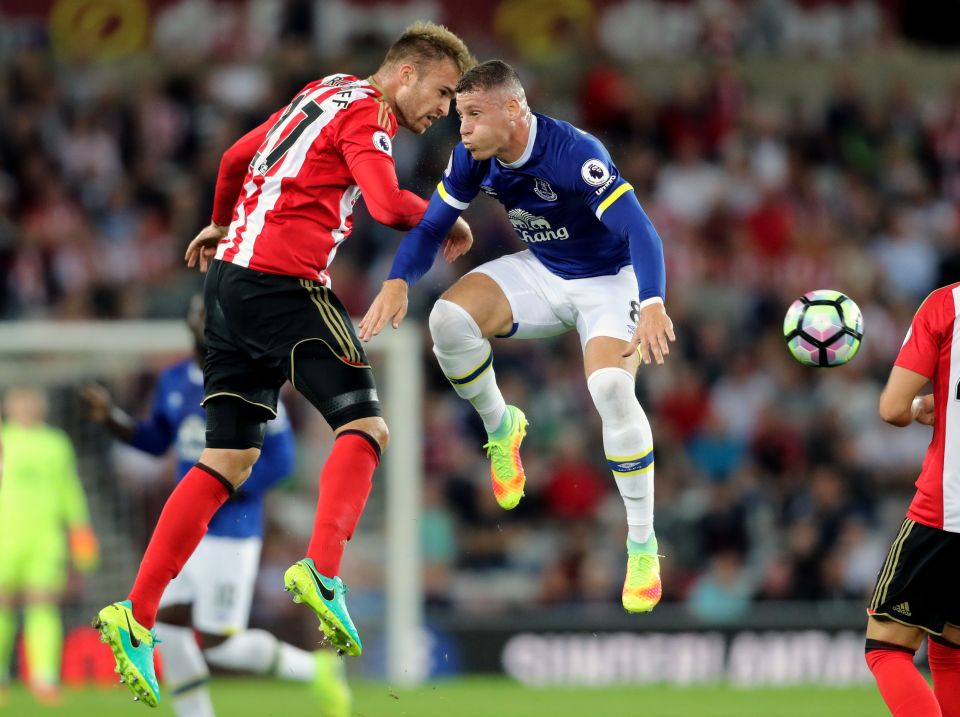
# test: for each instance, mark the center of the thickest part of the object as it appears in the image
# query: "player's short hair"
(424, 42)
(490, 75)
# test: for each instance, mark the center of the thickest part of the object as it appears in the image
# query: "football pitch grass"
(478, 697)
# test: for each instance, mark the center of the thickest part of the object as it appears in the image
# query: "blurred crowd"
(773, 481)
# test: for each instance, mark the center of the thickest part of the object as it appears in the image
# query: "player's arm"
(916, 364)
(900, 403)
(418, 249)
(625, 216)
(363, 141)
(617, 207)
(84, 550)
(154, 435)
(233, 170)
(415, 255)
(399, 209)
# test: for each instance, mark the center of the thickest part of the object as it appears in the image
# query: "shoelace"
(500, 457)
(636, 563)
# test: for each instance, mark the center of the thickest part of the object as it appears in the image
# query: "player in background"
(283, 204)
(214, 591)
(917, 595)
(594, 263)
(43, 516)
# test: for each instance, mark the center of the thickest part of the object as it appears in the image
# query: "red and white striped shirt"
(288, 187)
(932, 349)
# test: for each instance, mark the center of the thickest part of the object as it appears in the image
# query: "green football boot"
(641, 586)
(503, 450)
(132, 645)
(324, 596)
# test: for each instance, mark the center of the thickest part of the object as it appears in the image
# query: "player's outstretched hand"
(96, 401)
(204, 246)
(653, 333)
(389, 305)
(458, 241)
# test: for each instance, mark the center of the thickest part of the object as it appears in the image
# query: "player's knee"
(951, 634)
(614, 395)
(234, 465)
(236, 426)
(381, 434)
(373, 428)
(451, 325)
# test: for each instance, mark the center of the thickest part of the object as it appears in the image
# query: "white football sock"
(261, 653)
(467, 360)
(185, 671)
(628, 443)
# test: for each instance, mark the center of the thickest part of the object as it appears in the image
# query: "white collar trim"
(528, 150)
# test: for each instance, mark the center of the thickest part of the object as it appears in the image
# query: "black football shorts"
(918, 583)
(264, 329)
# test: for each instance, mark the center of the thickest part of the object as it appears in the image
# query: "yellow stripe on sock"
(637, 457)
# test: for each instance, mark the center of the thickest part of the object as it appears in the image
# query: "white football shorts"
(218, 581)
(545, 304)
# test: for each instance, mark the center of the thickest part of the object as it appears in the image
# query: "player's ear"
(408, 73)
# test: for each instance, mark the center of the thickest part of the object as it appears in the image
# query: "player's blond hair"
(424, 42)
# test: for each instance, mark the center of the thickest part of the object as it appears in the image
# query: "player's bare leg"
(628, 443)
(43, 634)
(890, 649)
(461, 323)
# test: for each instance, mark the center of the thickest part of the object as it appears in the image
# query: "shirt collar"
(376, 85)
(528, 150)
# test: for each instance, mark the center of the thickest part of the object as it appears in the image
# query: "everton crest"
(543, 190)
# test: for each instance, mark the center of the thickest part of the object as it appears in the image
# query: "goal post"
(60, 354)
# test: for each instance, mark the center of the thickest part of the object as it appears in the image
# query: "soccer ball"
(823, 328)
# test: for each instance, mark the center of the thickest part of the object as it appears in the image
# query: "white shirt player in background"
(594, 264)
(917, 594)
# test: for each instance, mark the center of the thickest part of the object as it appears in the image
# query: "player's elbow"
(387, 216)
(893, 410)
